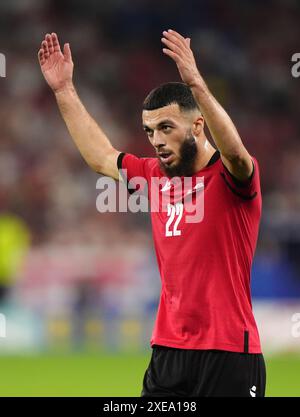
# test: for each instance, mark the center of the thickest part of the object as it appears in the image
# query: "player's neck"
(205, 152)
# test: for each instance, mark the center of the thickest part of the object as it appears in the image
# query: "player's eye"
(166, 128)
(148, 131)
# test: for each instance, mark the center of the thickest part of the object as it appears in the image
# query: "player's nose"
(158, 141)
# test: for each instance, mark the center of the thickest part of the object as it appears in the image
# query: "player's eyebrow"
(160, 124)
(165, 122)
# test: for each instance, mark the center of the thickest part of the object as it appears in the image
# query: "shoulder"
(127, 160)
(248, 189)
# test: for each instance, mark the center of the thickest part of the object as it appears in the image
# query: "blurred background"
(78, 288)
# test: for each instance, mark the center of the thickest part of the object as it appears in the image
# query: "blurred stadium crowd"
(244, 51)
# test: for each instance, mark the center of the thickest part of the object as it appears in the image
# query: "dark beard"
(186, 165)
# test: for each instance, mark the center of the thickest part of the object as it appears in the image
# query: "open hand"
(57, 67)
(178, 48)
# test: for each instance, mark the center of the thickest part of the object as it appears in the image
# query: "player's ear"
(198, 125)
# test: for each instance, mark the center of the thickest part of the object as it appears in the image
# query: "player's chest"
(187, 207)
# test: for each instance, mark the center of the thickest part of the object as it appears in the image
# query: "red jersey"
(205, 266)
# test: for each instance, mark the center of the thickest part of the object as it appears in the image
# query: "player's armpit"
(240, 166)
(109, 165)
(133, 172)
(247, 189)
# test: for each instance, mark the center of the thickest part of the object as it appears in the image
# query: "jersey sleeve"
(134, 171)
(246, 190)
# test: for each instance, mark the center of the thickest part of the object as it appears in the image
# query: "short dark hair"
(171, 93)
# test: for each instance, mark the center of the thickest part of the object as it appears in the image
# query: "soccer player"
(205, 340)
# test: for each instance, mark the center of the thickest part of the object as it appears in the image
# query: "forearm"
(233, 153)
(89, 138)
(218, 122)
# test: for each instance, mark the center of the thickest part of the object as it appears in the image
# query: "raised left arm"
(233, 153)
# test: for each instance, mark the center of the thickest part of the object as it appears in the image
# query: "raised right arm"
(91, 141)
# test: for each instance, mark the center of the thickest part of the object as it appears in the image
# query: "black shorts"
(204, 373)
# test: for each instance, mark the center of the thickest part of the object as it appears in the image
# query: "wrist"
(67, 87)
(198, 84)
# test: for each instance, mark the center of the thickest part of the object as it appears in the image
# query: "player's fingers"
(41, 56)
(188, 42)
(49, 42)
(176, 34)
(47, 39)
(172, 55)
(44, 46)
(55, 42)
(171, 45)
(175, 41)
(174, 37)
(67, 52)
(45, 49)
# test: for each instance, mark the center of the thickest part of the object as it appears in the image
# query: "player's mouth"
(166, 157)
